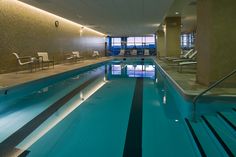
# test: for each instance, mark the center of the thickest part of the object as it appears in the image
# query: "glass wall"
(130, 43)
(116, 41)
(187, 41)
(139, 41)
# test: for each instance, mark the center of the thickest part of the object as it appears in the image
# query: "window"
(116, 41)
(184, 40)
(150, 40)
(130, 41)
(138, 41)
(187, 40)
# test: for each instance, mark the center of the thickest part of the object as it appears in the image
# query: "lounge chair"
(186, 55)
(190, 58)
(122, 52)
(146, 52)
(133, 53)
(25, 61)
(181, 64)
(95, 54)
(43, 59)
(75, 56)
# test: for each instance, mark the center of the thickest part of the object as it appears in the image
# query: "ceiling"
(113, 17)
(187, 10)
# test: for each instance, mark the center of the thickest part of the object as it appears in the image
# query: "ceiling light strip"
(56, 16)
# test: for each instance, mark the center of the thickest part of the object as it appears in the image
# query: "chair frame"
(30, 62)
(42, 61)
(75, 56)
(146, 52)
(122, 52)
(187, 63)
(95, 54)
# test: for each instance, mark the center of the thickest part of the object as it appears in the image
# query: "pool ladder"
(195, 99)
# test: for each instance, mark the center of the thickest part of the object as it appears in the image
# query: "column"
(216, 40)
(172, 36)
(160, 44)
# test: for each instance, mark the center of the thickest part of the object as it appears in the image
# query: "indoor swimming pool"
(122, 107)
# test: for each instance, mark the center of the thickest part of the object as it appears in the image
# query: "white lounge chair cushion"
(95, 53)
(187, 53)
(44, 56)
(122, 52)
(146, 52)
(187, 63)
(134, 52)
(76, 53)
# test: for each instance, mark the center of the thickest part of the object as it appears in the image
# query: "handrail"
(209, 88)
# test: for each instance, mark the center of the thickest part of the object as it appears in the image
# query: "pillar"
(172, 36)
(160, 44)
(216, 38)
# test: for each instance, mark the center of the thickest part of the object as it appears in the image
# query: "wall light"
(176, 13)
(81, 29)
(56, 23)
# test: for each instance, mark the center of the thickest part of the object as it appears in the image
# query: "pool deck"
(186, 80)
(16, 78)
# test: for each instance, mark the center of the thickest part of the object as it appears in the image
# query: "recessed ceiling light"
(176, 13)
(156, 24)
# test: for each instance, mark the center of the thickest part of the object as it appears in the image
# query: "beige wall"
(172, 36)
(216, 40)
(27, 30)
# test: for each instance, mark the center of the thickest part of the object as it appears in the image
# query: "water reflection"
(132, 70)
(166, 98)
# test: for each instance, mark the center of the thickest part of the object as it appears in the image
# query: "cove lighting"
(55, 16)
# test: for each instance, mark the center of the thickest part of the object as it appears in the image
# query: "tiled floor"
(12, 79)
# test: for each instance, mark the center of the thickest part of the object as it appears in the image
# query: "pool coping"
(5, 88)
(185, 94)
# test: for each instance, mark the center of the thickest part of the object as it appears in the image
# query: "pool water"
(134, 111)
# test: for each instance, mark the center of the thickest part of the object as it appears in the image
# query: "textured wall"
(161, 43)
(216, 40)
(26, 30)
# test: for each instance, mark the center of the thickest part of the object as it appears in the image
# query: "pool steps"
(215, 135)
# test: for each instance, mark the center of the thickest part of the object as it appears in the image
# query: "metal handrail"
(209, 88)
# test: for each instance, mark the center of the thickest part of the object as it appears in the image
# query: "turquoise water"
(98, 126)
(108, 124)
(20, 107)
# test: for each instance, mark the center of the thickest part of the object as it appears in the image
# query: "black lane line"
(223, 144)
(227, 120)
(200, 148)
(24, 154)
(8, 145)
(234, 109)
(133, 142)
